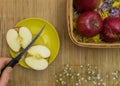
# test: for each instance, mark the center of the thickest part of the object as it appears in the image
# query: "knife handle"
(12, 63)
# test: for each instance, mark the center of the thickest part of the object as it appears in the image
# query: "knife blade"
(15, 60)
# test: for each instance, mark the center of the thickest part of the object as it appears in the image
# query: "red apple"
(89, 24)
(111, 29)
(86, 5)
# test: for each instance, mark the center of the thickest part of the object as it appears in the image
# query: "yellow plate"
(49, 37)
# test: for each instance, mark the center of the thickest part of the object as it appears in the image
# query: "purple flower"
(114, 12)
(105, 7)
(99, 10)
(108, 1)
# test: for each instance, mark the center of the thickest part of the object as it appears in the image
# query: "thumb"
(5, 76)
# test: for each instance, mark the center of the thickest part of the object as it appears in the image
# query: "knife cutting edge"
(15, 60)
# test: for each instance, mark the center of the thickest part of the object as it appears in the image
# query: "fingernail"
(9, 69)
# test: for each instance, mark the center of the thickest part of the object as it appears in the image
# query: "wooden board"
(54, 11)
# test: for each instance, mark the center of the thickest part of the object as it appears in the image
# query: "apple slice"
(36, 57)
(36, 64)
(13, 40)
(19, 39)
(39, 50)
(25, 35)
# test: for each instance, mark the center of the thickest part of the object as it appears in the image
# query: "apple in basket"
(89, 24)
(86, 5)
(111, 29)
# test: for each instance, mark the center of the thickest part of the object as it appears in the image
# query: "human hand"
(5, 77)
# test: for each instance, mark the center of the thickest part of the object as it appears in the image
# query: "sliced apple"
(25, 35)
(39, 50)
(12, 40)
(36, 64)
(36, 57)
(19, 39)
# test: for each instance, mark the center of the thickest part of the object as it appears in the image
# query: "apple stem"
(94, 23)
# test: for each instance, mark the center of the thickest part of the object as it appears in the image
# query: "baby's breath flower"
(68, 77)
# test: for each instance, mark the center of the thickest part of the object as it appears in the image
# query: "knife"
(15, 60)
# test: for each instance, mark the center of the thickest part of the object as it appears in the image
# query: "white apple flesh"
(19, 39)
(25, 35)
(39, 50)
(12, 40)
(36, 64)
(36, 57)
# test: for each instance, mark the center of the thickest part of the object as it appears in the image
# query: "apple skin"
(111, 29)
(89, 24)
(86, 5)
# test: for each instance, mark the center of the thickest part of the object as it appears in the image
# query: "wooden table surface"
(54, 11)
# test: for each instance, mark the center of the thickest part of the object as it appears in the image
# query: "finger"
(4, 61)
(5, 77)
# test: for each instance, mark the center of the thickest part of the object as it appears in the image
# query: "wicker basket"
(71, 34)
